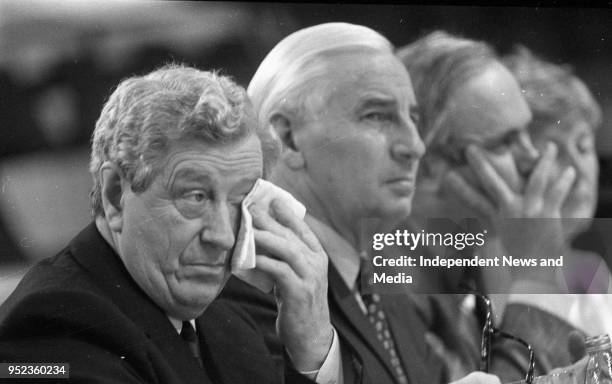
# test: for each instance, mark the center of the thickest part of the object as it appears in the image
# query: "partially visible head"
(343, 107)
(564, 112)
(173, 154)
(467, 97)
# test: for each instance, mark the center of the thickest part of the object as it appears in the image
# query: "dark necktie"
(378, 319)
(189, 336)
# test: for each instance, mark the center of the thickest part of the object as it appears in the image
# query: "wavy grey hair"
(552, 91)
(145, 114)
(439, 64)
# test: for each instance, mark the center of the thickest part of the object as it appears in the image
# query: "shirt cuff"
(331, 370)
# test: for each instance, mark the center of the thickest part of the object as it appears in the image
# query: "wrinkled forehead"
(237, 156)
(352, 76)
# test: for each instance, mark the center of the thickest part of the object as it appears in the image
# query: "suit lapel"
(231, 342)
(102, 262)
(350, 316)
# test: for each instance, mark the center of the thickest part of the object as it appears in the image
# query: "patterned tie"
(189, 336)
(377, 317)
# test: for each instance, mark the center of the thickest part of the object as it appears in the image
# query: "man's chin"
(398, 211)
(192, 302)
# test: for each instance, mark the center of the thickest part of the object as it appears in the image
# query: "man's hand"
(297, 263)
(543, 195)
(528, 223)
(478, 378)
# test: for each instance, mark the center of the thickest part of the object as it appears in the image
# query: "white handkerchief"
(243, 258)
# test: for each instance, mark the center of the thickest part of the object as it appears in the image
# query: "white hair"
(281, 82)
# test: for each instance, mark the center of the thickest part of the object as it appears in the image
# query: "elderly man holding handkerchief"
(178, 204)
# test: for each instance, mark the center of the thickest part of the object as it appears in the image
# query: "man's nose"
(219, 231)
(407, 143)
(525, 153)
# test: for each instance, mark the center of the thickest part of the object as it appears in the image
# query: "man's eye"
(195, 196)
(377, 116)
(498, 147)
(504, 144)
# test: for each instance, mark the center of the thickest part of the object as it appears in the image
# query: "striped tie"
(378, 319)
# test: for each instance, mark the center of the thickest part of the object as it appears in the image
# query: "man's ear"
(292, 155)
(112, 189)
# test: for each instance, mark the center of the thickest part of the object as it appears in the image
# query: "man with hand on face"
(567, 113)
(344, 109)
(481, 163)
(174, 154)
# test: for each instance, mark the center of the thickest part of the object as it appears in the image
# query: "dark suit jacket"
(364, 359)
(82, 307)
(461, 331)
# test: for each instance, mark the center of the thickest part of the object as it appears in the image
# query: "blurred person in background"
(566, 113)
(174, 153)
(344, 109)
(481, 163)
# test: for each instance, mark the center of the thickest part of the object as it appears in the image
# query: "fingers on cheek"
(280, 271)
(259, 217)
(266, 223)
(457, 185)
(262, 237)
(281, 211)
(294, 225)
(271, 244)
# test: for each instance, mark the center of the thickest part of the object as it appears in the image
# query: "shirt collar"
(342, 254)
(178, 324)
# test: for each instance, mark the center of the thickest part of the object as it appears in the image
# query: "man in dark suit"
(174, 154)
(344, 109)
(481, 164)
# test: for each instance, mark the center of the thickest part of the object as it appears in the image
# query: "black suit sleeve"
(260, 309)
(56, 327)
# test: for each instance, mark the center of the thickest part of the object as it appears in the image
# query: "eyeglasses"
(489, 331)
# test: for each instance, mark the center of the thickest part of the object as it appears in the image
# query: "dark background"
(59, 60)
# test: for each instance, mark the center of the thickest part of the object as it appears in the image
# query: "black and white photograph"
(285, 192)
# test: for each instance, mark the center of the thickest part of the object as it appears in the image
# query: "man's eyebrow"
(376, 101)
(194, 174)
